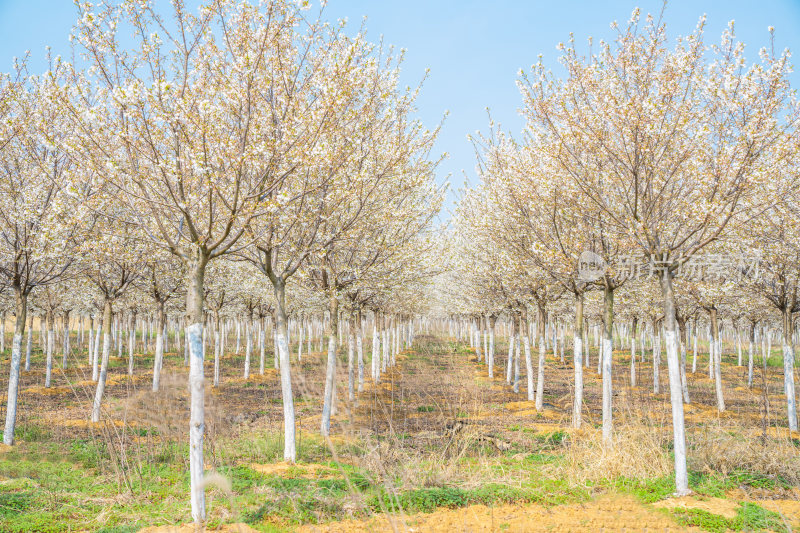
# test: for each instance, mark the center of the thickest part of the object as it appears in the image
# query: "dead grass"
(637, 452)
(726, 449)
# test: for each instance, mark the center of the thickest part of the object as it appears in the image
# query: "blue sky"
(473, 48)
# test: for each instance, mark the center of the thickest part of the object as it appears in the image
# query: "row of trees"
(637, 166)
(220, 155)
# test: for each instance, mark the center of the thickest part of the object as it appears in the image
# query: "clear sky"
(474, 48)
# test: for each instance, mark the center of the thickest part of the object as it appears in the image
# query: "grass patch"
(749, 517)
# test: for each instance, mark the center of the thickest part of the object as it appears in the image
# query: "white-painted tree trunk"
(194, 339)
(28, 348)
(262, 343)
(330, 372)
(684, 381)
(21, 308)
(50, 343)
(750, 355)
(101, 381)
(282, 346)
(656, 344)
(738, 347)
(788, 370)
(158, 360)
(607, 352)
(577, 361)
(217, 345)
(676, 400)
(308, 336)
(490, 363)
(485, 335)
(248, 345)
(96, 352)
(375, 354)
(540, 369)
(517, 351)
(385, 342)
(351, 347)
(65, 342)
(528, 366)
(360, 352)
(587, 347)
(131, 333)
(300, 340)
(717, 359)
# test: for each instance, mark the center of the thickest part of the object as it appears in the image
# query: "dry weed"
(725, 450)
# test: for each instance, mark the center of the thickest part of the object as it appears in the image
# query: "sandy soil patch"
(718, 506)
(289, 470)
(788, 509)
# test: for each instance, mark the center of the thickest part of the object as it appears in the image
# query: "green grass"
(548, 492)
(716, 485)
(749, 517)
(56, 488)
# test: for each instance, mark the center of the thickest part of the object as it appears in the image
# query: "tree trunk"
(788, 368)
(351, 347)
(300, 329)
(485, 335)
(577, 362)
(738, 346)
(158, 361)
(717, 358)
(492, 324)
(194, 340)
(217, 346)
(540, 370)
(49, 348)
(676, 400)
(385, 340)
(21, 303)
(131, 335)
(523, 328)
(517, 354)
(330, 372)
(750, 354)
(359, 352)
(96, 349)
(28, 346)
(376, 350)
(308, 335)
(587, 352)
(248, 328)
(607, 355)
(101, 380)
(684, 380)
(633, 351)
(65, 341)
(656, 347)
(510, 358)
(262, 345)
(289, 447)
(694, 347)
